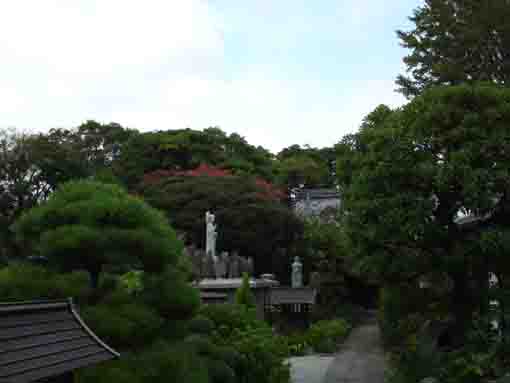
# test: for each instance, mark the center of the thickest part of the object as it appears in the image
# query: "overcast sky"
(278, 72)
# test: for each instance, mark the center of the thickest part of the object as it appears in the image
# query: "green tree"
(187, 149)
(89, 225)
(24, 180)
(305, 166)
(301, 170)
(247, 220)
(416, 171)
(454, 41)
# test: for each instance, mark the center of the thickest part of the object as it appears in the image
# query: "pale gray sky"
(277, 72)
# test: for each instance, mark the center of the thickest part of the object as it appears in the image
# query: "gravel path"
(361, 358)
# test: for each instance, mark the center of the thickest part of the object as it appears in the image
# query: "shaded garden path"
(309, 369)
(359, 360)
(361, 357)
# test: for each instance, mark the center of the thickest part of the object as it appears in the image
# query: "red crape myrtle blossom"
(268, 191)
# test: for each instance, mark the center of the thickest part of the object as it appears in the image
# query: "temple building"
(45, 341)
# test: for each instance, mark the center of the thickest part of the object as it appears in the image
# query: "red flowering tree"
(250, 213)
(267, 191)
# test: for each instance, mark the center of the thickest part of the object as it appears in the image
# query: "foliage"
(171, 294)
(263, 355)
(258, 354)
(161, 363)
(187, 149)
(132, 281)
(306, 166)
(129, 325)
(265, 190)
(34, 165)
(244, 295)
(456, 41)
(297, 343)
(247, 223)
(326, 335)
(323, 336)
(88, 225)
(200, 324)
(22, 182)
(21, 282)
(333, 268)
(302, 170)
(227, 317)
(419, 361)
(418, 168)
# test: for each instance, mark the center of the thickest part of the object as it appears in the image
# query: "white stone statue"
(297, 273)
(211, 234)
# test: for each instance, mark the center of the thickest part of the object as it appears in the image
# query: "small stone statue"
(210, 234)
(250, 266)
(234, 267)
(315, 280)
(297, 273)
(221, 265)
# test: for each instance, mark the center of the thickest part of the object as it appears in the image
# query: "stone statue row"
(225, 265)
(206, 264)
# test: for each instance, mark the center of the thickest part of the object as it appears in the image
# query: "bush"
(201, 325)
(244, 296)
(127, 325)
(418, 360)
(263, 354)
(202, 345)
(400, 316)
(258, 355)
(118, 371)
(228, 317)
(324, 336)
(165, 363)
(132, 281)
(27, 282)
(220, 372)
(326, 346)
(170, 294)
(297, 344)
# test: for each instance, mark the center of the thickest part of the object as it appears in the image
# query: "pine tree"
(456, 41)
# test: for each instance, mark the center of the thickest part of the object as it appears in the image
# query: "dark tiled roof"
(45, 338)
(292, 295)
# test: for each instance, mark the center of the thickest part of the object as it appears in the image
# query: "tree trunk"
(462, 307)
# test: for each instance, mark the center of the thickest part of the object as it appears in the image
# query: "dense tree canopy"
(88, 225)
(306, 166)
(455, 41)
(187, 149)
(247, 221)
(416, 171)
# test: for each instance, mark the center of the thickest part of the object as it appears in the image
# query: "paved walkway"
(360, 359)
(309, 369)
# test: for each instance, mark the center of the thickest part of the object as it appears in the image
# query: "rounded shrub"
(230, 317)
(202, 345)
(124, 326)
(21, 281)
(324, 336)
(201, 325)
(220, 372)
(170, 294)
